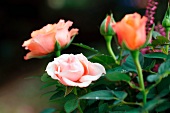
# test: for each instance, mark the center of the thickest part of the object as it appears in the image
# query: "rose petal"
(125, 35)
(86, 78)
(73, 32)
(71, 68)
(62, 37)
(132, 20)
(50, 69)
(46, 29)
(96, 68)
(71, 83)
(30, 55)
(71, 75)
(84, 62)
(95, 72)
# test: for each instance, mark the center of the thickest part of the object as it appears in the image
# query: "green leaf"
(71, 105)
(168, 57)
(46, 78)
(57, 95)
(164, 92)
(86, 47)
(49, 93)
(150, 105)
(150, 95)
(164, 84)
(149, 64)
(162, 107)
(164, 68)
(48, 85)
(155, 34)
(68, 90)
(99, 95)
(121, 109)
(90, 102)
(135, 110)
(152, 78)
(48, 110)
(60, 101)
(117, 76)
(129, 65)
(120, 94)
(107, 61)
(103, 108)
(156, 55)
(160, 40)
(117, 102)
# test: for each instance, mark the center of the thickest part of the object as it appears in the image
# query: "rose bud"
(131, 31)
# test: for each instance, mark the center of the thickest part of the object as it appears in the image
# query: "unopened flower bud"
(166, 20)
(106, 26)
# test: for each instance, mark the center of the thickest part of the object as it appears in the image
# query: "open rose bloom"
(74, 70)
(131, 31)
(43, 41)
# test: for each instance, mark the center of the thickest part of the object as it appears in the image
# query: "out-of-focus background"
(18, 18)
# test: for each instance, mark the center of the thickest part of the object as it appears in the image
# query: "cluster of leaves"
(118, 90)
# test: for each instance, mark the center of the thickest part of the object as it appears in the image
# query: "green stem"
(167, 46)
(124, 102)
(134, 86)
(120, 56)
(75, 90)
(131, 103)
(80, 110)
(108, 43)
(135, 55)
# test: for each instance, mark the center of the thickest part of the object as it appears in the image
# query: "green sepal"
(69, 42)
(149, 37)
(68, 90)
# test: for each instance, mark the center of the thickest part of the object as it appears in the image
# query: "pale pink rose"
(74, 70)
(43, 41)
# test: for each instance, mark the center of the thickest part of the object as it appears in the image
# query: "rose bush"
(131, 31)
(136, 77)
(74, 70)
(43, 41)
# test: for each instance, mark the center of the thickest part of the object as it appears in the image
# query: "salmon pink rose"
(74, 70)
(131, 31)
(43, 40)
